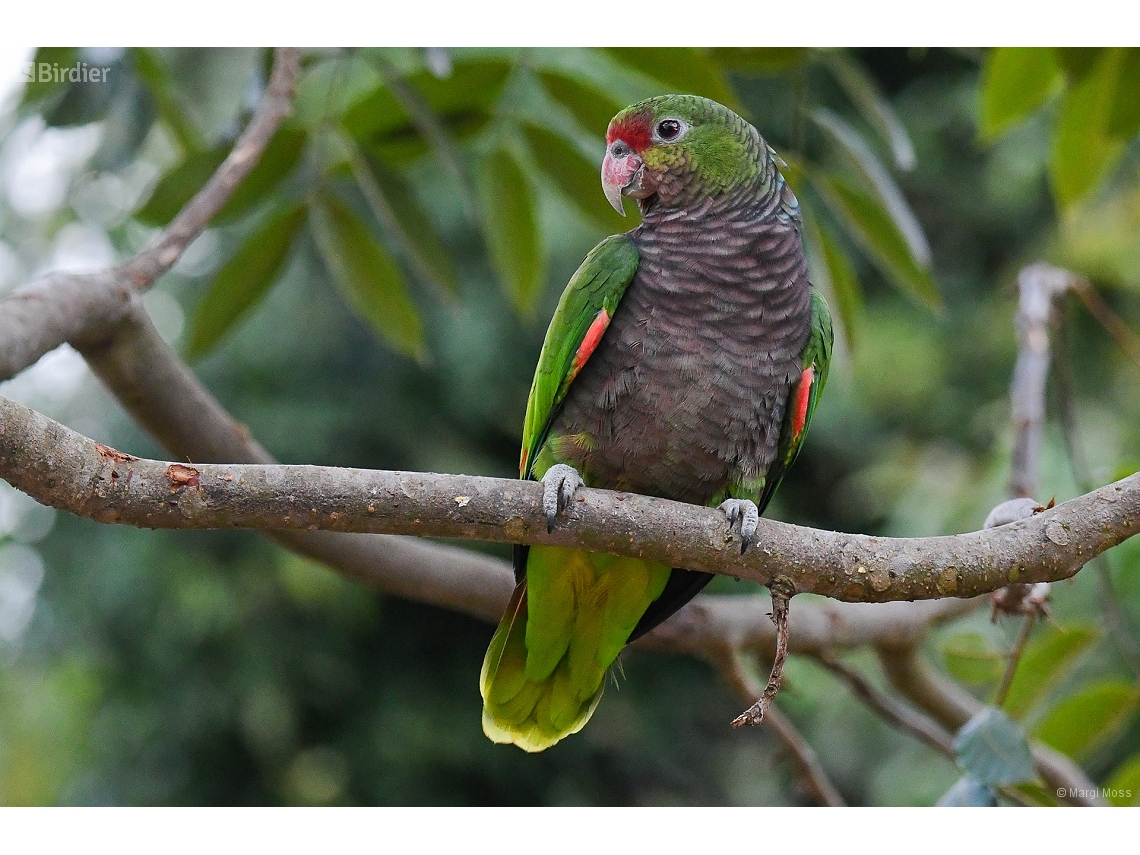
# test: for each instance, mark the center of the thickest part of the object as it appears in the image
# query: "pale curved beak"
(620, 172)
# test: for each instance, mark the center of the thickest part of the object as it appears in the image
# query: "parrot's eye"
(669, 129)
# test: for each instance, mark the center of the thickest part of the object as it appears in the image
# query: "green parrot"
(684, 360)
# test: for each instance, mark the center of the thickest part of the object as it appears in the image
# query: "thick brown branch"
(62, 307)
(61, 468)
(165, 397)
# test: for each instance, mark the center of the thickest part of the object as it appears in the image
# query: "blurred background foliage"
(375, 294)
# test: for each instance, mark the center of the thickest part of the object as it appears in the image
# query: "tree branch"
(953, 706)
(897, 714)
(1039, 285)
(62, 307)
(800, 752)
(58, 467)
(164, 396)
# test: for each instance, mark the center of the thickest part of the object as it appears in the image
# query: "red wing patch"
(589, 342)
(800, 402)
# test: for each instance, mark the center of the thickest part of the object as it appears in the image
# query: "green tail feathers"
(566, 623)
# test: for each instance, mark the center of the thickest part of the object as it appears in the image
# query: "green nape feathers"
(684, 360)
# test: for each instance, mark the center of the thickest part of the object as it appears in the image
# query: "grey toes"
(558, 487)
(746, 512)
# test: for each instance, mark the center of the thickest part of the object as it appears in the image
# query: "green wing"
(583, 313)
(801, 400)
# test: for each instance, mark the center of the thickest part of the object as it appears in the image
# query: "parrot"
(684, 361)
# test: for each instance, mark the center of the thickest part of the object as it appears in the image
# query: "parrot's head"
(667, 149)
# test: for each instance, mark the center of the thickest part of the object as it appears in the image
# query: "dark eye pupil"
(668, 129)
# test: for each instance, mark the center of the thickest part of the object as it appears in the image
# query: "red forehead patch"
(633, 130)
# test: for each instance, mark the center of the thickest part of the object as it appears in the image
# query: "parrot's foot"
(558, 486)
(744, 510)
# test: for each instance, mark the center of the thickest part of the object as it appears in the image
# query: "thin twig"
(374, 197)
(782, 591)
(1014, 659)
(1124, 337)
(1119, 632)
(1118, 629)
(800, 752)
(275, 105)
(82, 307)
(896, 713)
(952, 706)
(432, 130)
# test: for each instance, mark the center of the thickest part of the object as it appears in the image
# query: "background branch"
(952, 707)
(799, 750)
(63, 307)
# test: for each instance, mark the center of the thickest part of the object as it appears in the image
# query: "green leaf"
(831, 270)
(129, 120)
(1077, 62)
(36, 91)
(472, 86)
(590, 106)
(683, 69)
(1084, 148)
(884, 187)
(330, 87)
(83, 102)
(368, 276)
(968, 792)
(874, 230)
(151, 69)
(178, 186)
(245, 279)
(970, 657)
(1123, 784)
(1045, 662)
(872, 105)
(510, 225)
(1124, 119)
(991, 748)
(1089, 718)
(1015, 82)
(1036, 795)
(761, 60)
(407, 223)
(393, 121)
(575, 175)
(280, 157)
